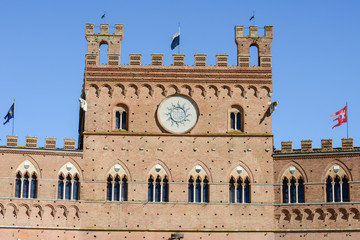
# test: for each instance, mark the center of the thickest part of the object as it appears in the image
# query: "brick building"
(178, 149)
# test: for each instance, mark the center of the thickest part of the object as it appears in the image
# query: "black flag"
(103, 16)
(252, 17)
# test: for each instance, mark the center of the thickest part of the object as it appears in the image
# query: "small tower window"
(121, 117)
(236, 118)
(103, 53)
(254, 56)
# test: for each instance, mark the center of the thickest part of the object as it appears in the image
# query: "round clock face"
(177, 114)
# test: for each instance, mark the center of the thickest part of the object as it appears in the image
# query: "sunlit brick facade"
(178, 149)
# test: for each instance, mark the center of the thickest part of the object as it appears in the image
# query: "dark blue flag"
(252, 17)
(103, 16)
(10, 114)
(175, 40)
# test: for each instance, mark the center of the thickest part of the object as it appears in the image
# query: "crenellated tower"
(263, 43)
(95, 40)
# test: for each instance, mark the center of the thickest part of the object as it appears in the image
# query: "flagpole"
(13, 120)
(254, 18)
(179, 40)
(347, 120)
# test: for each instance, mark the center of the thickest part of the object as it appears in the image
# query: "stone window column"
(22, 186)
(64, 188)
(202, 192)
(297, 192)
(243, 192)
(120, 189)
(289, 192)
(341, 191)
(30, 183)
(333, 190)
(112, 190)
(72, 189)
(161, 191)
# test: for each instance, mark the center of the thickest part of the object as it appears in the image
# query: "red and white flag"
(342, 117)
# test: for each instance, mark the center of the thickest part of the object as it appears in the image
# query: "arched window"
(247, 191)
(285, 191)
(337, 185)
(301, 194)
(337, 189)
(158, 192)
(239, 189)
(18, 185)
(236, 118)
(158, 189)
(117, 184)
(292, 190)
(232, 190)
(68, 183)
(109, 189)
(165, 190)
(26, 181)
(61, 187)
(198, 191)
(120, 117)
(329, 191)
(151, 189)
(103, 53)
(293, 186)
(124, 189)
(33, 186)
(76, 188)
(191, 190)
(205, 190)
(254, 56)
(68, 187)
(121, 120)
(117, 188)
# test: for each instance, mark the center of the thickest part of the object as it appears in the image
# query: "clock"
(177, 114)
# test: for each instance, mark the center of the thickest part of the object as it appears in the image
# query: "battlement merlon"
(95, 40)
(263, 43)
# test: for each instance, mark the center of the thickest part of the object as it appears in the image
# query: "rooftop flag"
(175, 40)
(342, 116)
(103, 16)
(10, 114)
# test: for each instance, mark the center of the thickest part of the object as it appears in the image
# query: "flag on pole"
(175, 40)
(103, 16)
(10, 114)
(252, 17)
(342, 116)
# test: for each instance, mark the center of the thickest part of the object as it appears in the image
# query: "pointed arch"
(164, 170)
(343, 170)
(205, 171)
(123, 169)
(242, 90)
(285, 171)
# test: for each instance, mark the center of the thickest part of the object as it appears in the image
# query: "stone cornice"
(41, 151)
(124, 133)
(188, 74)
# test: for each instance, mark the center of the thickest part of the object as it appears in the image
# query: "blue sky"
(315, 57)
